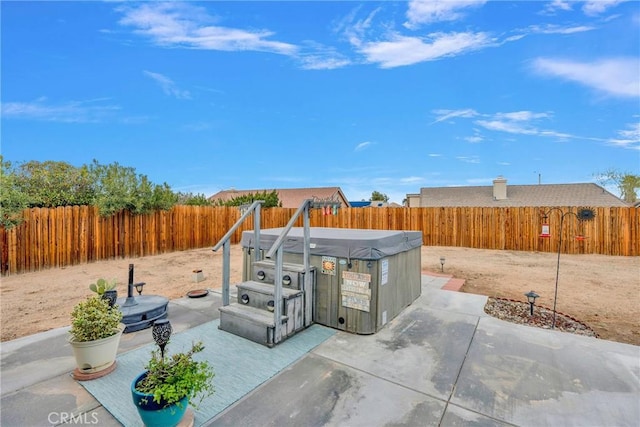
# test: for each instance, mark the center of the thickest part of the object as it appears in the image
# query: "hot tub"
(364, 278)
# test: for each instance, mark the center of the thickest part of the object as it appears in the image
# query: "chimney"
(500, 188)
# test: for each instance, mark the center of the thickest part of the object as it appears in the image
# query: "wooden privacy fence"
(72, 235)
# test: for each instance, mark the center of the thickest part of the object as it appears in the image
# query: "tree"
(191, 199)
(627, 183)
(12, 199)
(271, 199)
(49, 184)
(376, 195)
(119, 187)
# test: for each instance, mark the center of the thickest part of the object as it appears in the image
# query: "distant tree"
(627, 183)
(12, 199)
(49, 184)
(271, 199)
(376, 195)
(191, 199)
(119, 187)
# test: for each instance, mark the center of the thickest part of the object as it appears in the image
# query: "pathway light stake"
(442, 264)
(531, 297)
(583, 214)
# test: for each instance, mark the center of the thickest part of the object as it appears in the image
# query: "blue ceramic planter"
(155, 414)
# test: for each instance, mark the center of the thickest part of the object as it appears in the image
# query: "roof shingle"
(587, 194)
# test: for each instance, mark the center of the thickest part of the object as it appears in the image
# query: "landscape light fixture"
(139, 287)
(531, 297)
(442, 264)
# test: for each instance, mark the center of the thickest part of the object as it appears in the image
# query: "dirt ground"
(601, 291)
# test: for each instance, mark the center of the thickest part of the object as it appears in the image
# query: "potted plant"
(170, 383)
(106, 289)
(94, 337)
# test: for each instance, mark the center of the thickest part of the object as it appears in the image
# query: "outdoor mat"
(240, 366)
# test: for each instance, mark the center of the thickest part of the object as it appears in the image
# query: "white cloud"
(520, 116)
(412, 180)
(505, 126)
(628, 138)
(168, 86)
(315, 62)
(318, 57)
(354, 30)
(362, 146)
(402, 50)
(555, 29)
(521, 123)
(525, 123)
(474, 139)
(444, 115)
(555, 5)
(427, 11)
(617, 77)
(596, 7)
(469, 159)
(590, 7)
(90, 111)
(434, 155)
(178, 24)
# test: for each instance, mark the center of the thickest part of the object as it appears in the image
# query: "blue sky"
(367, 96)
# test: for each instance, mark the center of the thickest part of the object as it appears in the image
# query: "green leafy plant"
(103, 285)
(93, 319)
(270, 199)
(171, 378)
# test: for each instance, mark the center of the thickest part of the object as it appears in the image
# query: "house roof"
(587, 194)
(290, 197)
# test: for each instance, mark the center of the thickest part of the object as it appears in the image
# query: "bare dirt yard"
(600, 291)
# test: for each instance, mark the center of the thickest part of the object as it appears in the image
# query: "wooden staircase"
(278, 301)
(252, 315)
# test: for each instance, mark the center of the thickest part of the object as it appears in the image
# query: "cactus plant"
(103, 285)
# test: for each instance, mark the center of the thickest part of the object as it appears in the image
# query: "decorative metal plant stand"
(583, 214)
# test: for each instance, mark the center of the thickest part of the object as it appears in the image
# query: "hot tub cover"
(350, 243)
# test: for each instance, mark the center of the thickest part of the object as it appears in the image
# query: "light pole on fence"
(584, 214)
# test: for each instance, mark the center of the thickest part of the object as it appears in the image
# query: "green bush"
(270, 199)
(171, 378)
(93, 319)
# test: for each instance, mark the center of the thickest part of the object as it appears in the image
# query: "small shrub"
(93, 319)
(171, 378)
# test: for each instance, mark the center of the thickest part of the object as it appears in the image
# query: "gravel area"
(520, 312)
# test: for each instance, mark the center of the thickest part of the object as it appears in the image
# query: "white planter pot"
(98, 355)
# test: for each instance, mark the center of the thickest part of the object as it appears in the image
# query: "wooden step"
(265, 271)
(266, 289)
(286, 266)
(250, 323)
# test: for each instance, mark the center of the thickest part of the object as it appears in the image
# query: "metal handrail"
(226, 248)
(277, 249)
(305, 204)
